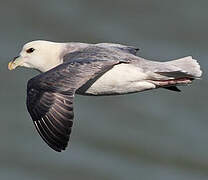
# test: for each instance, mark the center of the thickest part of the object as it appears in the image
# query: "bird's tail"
(177, 72)
(188, 66)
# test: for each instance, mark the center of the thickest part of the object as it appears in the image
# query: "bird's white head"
(40, 55)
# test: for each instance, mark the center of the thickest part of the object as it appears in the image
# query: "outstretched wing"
(50, 98)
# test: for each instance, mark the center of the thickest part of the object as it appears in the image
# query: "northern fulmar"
(100, 69)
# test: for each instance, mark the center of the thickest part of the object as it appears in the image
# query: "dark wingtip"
(50, 140)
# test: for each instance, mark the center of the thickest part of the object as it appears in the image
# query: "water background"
(155, 135)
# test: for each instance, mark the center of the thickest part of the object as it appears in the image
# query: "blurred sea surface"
(160, 135)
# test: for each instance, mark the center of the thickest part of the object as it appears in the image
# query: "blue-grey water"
(155, 135)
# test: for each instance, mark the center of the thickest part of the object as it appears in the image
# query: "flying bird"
(100, 69)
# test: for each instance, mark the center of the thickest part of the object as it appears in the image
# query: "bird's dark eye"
(30, 50)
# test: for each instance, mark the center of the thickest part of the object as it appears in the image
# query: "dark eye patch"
(30, 50)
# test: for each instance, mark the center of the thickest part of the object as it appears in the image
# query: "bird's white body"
(121, 79)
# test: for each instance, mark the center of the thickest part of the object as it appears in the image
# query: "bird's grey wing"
(50, 98)
(128, 49)
(95, 53)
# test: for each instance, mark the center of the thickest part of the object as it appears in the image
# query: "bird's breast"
(121, 79)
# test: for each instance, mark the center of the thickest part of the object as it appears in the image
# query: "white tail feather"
(188, 65)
